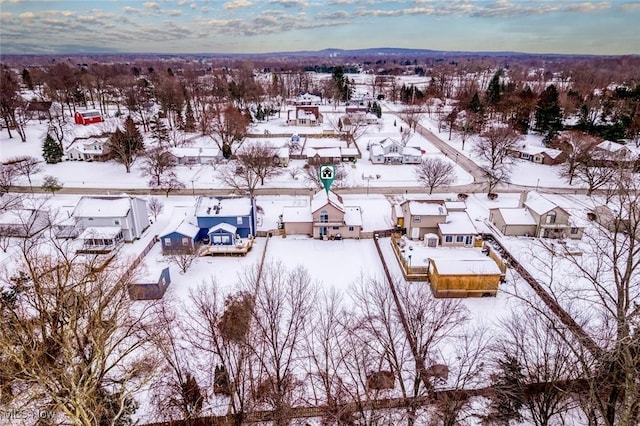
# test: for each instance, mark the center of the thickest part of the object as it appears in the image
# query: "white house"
(391, 151)
(195, 155)
(128, 213)
(92, 149)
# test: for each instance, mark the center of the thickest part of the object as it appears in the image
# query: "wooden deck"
(222, 250)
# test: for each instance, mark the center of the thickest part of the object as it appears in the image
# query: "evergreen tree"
(494, 91)
(474, 104)
(51, 150)
(548, 115)
(508, 383)
(159, 131)
(125, 146)
(189, 119)
(26, 79)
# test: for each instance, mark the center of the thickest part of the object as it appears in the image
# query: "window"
(459, 238)
(336, 228)
(239, 220)
(116, 222)
(551, 217)
(185, 241)
(90, 218)
(416, 218)
(324, 216)
(167, 242)
(217, 239)
(574, 231)
(351, 229)
(448, 239)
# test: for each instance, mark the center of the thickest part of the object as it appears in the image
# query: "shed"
(473, 277)
(88, 117)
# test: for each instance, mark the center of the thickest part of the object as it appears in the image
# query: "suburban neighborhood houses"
(338, 238)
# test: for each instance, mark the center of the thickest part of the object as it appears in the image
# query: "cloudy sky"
(257, 26)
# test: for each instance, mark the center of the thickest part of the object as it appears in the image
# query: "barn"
(88, 117)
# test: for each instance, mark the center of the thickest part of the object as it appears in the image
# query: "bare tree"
(58, 124)
(155, 206)
(261, 158)
(241, 179)
(282, 314)
(70, 335)
(595, 175)
(184, 258)
(535, 369)
(577, 146)
(169, 182)
(175, 393)
(156, 163)
(412, 115)
(494, 150)
(26, 166)
(312, 176)
(8, 175)
(228, 125)
(51, 184)
(435, 172)
(126, 146)
(350, 129)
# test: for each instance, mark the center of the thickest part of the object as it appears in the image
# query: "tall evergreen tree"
(125, 146)
(494, 91)
(548, 114)
(474, 104)
(51, 150)
(159, 131)
(189, 119)
(26, 79)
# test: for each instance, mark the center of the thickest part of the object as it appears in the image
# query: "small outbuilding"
(88, 117)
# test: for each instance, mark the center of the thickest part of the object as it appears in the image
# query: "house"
(125, 212)
(391, 151)
(419, 217)
(307, 99)
(41, 109)
(100, 239)
(539, 154)
(317, 156)
(91, 149)
(238, 212)
(88, 117)
(180, 238)
(324, 217)
(610, 153)
(22, 223)
(195, 155)
(304, 116)
(282, 156)
(457, 230)
(536, 216)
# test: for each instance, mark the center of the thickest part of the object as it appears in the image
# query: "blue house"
(238, 212)
(180, 238)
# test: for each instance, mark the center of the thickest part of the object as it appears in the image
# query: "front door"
(415, 233)
(469, 240)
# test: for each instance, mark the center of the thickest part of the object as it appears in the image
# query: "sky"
(262, 26)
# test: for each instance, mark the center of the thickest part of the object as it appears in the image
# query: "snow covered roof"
(388, 142)
(349, 151)
(516, 216)
(100, 232)
(283, 152)
(376, 150)
(321, 199)
(89, 113)
(227, 227)
(291, 214)
(89, 146)
(179, 214)
(185, 227)
(323, 152)
(16, 217)
(417, 208)
(232, 206)
(538, 204)
(458, 223)
(102, 206)
(182, 152)
(455, 205)
(485, 266)
(409, 150)
(352, 216)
